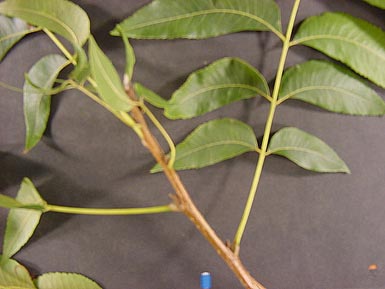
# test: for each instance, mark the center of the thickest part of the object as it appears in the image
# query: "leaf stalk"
(164, 133)
(266, 136)
(60, 46)
(111, 212)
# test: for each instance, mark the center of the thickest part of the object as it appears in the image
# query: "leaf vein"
(324, 36)
(205, 12)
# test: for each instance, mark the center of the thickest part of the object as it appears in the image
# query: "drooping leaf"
(331, 87)
(13, 275)
(36, 102)
(213, 142)
(65, 281)
(377, 3)
(60, 16)
(21, 223)
(306, 150)
(353, 41)
(11, 31)
(197, 19)
(150, 96)
(11, 203)
(109, 85)
(222, 82)
(82, 67)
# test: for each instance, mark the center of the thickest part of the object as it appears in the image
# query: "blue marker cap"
(205, 280)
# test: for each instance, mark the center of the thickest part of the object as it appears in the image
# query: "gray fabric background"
(306, 230)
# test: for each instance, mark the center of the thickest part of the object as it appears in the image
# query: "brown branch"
(186, 205)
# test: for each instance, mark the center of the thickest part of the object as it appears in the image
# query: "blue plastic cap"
(205, 280)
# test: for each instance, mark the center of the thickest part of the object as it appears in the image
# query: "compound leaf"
(65, 281)
(222, 82)
(108, 83)
(41, 78)
(197, 19)
(60, 16)
(353, 41)
(331, 87)
(21, 223)
(306, 150)
(377, 3)
(11, 31)
(13, 275)
(213, 142)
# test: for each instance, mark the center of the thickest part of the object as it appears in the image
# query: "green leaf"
(213, 142)
(222, 82)
(197, 19)
(109, 85)
(36, 102)
(14, 276)
(355, 42)
(331, 87)
(60, 16)
(82, 67)
(10, 203)
(11, 31)
(150, 96)
(65, 281)
(130, 55)
(377, 3)
(306, 150)
(21, 223)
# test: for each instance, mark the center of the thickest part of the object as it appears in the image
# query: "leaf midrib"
(27, 216)
(107, 78)
(321, 87)
(289, 148)
(217, 87)
(44, 14)
(337, 37)
(213, 144)
(14, 35)
(48, 83)
(205, 12)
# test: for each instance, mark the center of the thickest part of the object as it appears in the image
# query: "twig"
(186, 205)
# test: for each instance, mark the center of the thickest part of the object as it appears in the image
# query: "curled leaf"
(130, 55)
(82, 67)
(150, 96)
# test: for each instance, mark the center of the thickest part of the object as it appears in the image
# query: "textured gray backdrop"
(306, 231)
